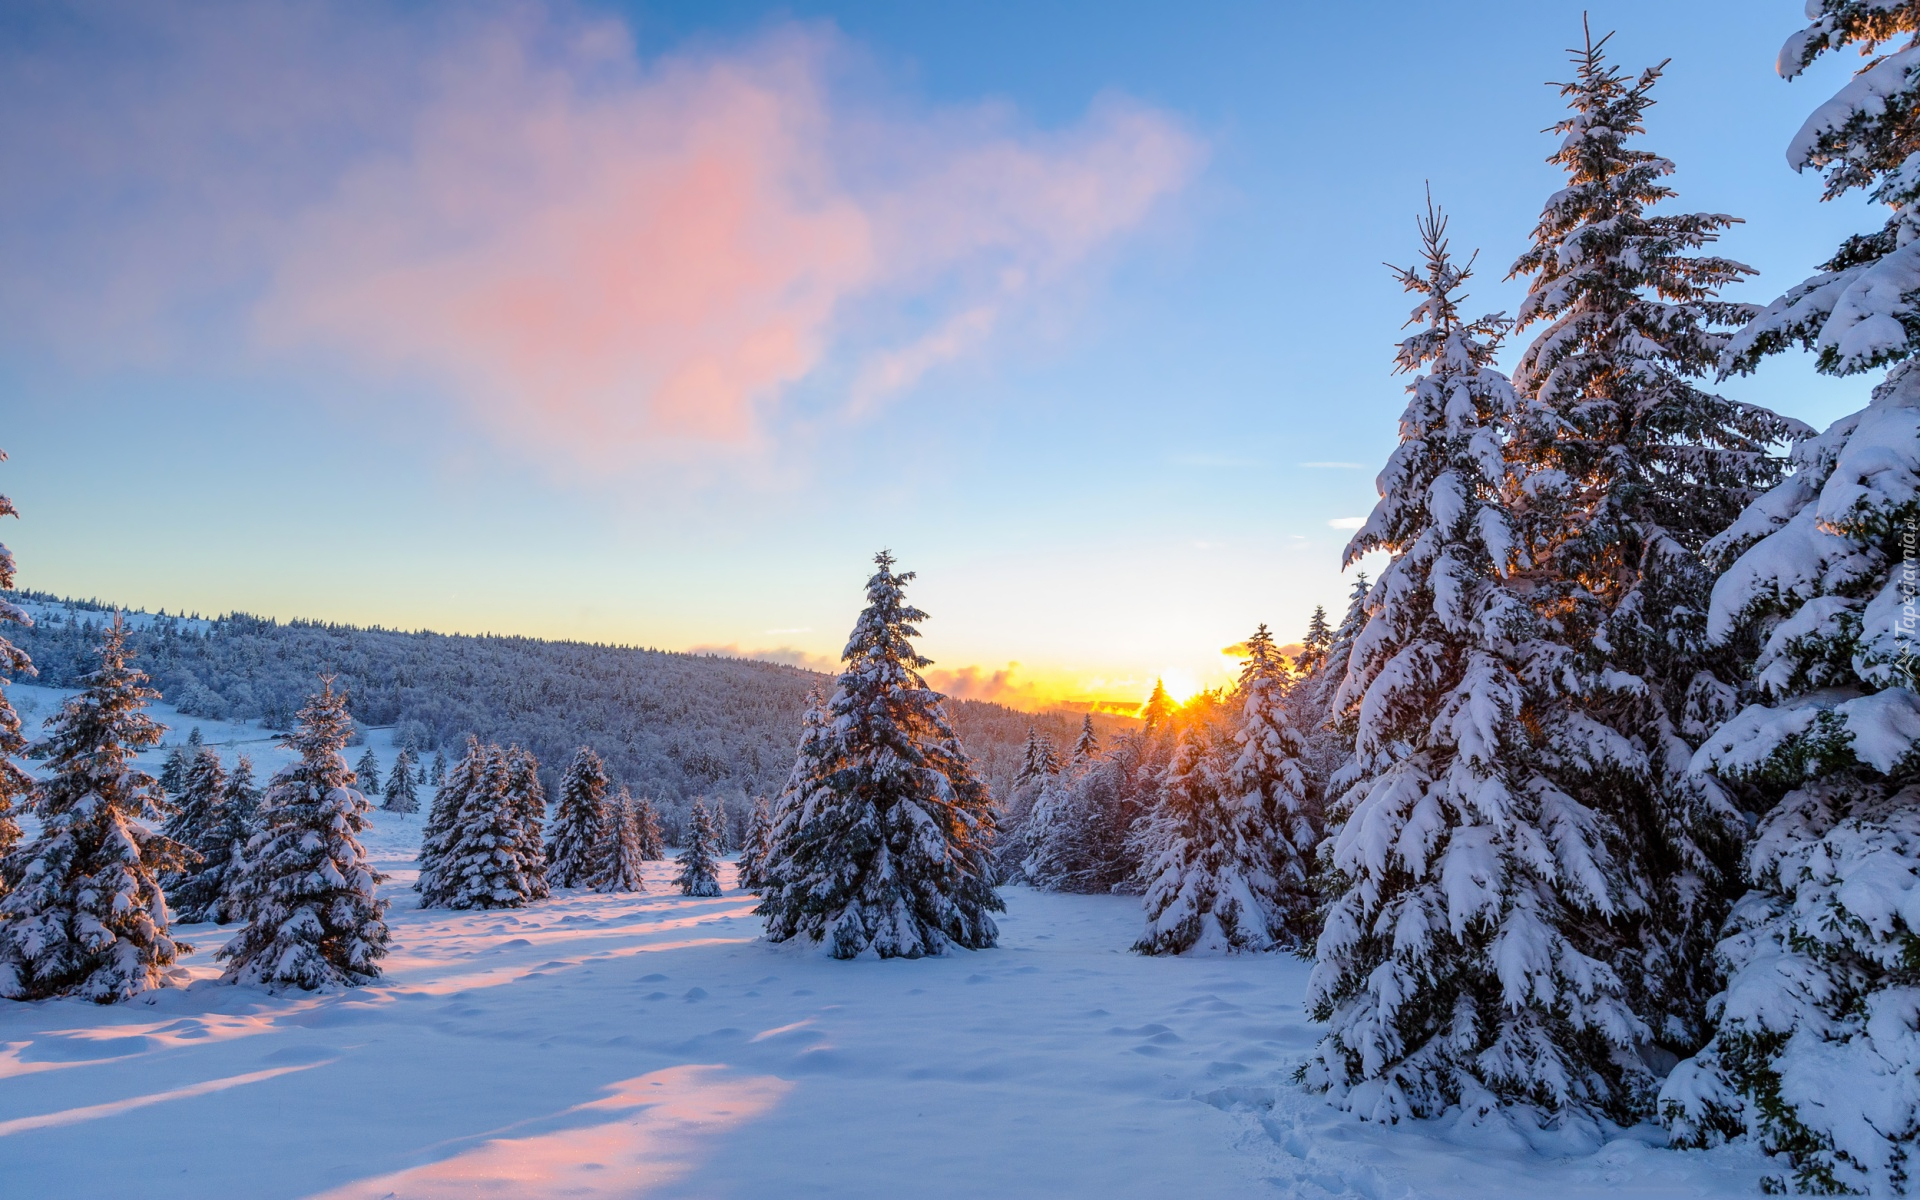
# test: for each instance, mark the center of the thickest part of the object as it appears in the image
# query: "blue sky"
(1054, 300)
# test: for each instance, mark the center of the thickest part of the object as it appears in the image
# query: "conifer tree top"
(97, 733)
(1606, 272)
(1159, 706)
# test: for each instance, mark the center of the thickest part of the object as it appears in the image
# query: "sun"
(1182, 685)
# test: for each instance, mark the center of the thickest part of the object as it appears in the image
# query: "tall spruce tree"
(173, 770)
(403, 790)
(1268, 779)
(1039, 763)
(197, 892)
(1320, 708)
(1157, 713)
(1086, 747)
(1054, 832)
(439, 775)
(889, 851)
(306, 890)
(1038, 758)
(367, 774)
(239, 821)
(443, 822)
(529, 802)
(1815, 1054)
(699, 859)
(1313, 647)
(1628, 468)
(755, 848)
(646, 824)
(577, 840)
(15, 785)
(814, 762)
(621, 855)
(86, 916)
(1459, 963)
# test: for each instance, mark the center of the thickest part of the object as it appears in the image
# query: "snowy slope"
(649, 1046)
(35, 704)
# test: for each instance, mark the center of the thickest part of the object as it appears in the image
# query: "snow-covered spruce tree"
(1050, 830)
(481, 866)
(1038, 759)
(621, 854)
(15, 785)
(197, 892)
(1816, 1054)
(1627, 468)
(699, 863)
(239, 821)
(1315, 704)
(439, 775)
(1158, 711)
(403, 791)
(1458, 963)
(1227, 846)
(173, 770)
(305, 889)
(1039, 763)
(367, 774)
(1082, 828)
(577, 839)
(646, 824)
(1268, 778)
(814, 762)
(86, 916)
(443, 821)
(1053, 832)
(889, 849)
(754, 850)
(1086, 747)
(529, 802)
(1313, 647)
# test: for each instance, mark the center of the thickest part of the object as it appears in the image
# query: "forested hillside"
(670, 725)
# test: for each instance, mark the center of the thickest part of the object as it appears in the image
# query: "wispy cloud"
(601, 257)
(1335, 466)
(786, 655)
(1346, 522)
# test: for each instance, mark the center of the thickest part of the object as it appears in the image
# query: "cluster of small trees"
(83, 904)
(1212, 810)
(483, 844)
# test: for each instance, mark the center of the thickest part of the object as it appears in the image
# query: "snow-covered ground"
(649, 1045)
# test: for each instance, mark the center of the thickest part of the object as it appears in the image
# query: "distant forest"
(671, 726)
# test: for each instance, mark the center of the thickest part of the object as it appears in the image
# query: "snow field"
(650, 1045)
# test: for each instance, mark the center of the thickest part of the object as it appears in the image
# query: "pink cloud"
(603, 258)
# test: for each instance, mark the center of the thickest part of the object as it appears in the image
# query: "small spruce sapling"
(577, 840)
(699, 866)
